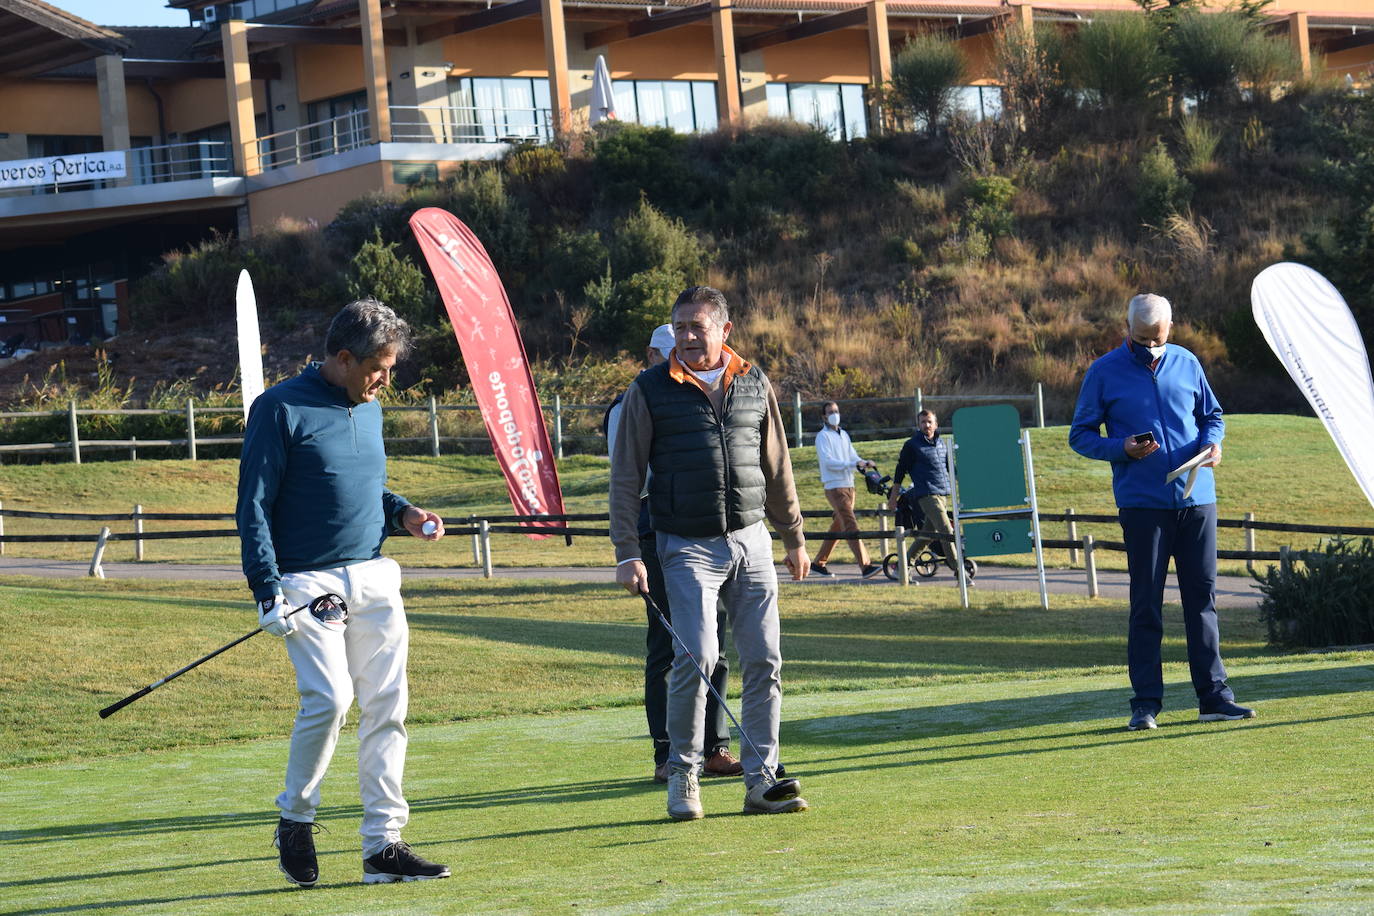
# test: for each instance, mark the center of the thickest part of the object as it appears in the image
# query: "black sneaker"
(398, 862)
(818, 569)
(871, 570)
(296, 841)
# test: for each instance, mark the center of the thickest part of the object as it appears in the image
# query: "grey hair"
(364, 327)
(705, 295)
(1148, 310)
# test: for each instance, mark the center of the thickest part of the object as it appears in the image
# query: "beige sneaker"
(756, 803)
(684, 795)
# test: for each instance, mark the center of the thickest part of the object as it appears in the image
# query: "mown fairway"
(957, 761)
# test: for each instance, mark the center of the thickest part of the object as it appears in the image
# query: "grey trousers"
(738, 569)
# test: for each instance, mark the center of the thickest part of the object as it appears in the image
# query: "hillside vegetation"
(956, 256)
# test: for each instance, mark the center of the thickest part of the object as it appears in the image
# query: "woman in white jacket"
(838, 461)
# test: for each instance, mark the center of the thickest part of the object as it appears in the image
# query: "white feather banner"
(1310, 329)
(250, 343)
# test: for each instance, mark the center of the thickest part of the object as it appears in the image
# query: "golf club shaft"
(138, 694)
(701, 672)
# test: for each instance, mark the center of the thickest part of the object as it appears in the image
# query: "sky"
(124, 12)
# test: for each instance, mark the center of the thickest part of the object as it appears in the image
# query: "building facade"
(117, 144)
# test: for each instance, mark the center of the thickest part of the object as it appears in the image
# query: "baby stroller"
(932, 556)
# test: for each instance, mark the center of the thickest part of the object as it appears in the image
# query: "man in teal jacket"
(313, 510)
(1159, 412)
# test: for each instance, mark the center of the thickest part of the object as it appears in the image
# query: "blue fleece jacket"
(1173, 401)
(312, 491)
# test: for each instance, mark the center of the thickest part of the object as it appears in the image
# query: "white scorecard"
(1189, 467)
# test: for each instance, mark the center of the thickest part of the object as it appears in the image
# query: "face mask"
(833, 419)
(1155, 352)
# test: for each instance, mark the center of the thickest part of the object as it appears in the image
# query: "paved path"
(1232, 591)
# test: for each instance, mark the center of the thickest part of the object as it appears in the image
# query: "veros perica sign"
(24, 173)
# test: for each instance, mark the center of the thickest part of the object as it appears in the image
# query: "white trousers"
(366, 657)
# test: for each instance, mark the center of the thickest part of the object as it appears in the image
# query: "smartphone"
(1143, 438)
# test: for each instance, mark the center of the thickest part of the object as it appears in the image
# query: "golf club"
(780, 788)
(321, 605)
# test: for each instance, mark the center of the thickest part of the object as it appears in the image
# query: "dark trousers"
(658, 663)
(1189, 537)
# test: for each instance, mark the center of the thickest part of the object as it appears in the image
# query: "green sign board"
(988, 458)
(994, 537)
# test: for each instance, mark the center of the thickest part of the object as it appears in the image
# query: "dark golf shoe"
(1142, 719)
(295, 841)
(398, 862)
(1224, 712)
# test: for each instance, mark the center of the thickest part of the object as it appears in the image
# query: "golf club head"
(783, 789)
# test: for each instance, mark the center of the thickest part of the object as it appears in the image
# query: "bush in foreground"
(1322, 597)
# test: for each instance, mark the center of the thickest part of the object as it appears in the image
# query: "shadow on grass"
(926, 722)
(1105, 737)
(163, 901)
(558, 793)
(864, 646)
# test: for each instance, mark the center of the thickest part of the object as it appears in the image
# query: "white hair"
(1148, 310)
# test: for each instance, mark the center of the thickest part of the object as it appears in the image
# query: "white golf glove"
(273, 616)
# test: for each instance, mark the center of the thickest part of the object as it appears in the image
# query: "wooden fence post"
(1073, 535)
(138, 531)
(903, 570)
(433, 427)
(191, 428)
(96, 557)
(1090, 564)
(1039, 405)
(486, 549)
(2, 530)
(1249, 542)
(76, 438)
(796, 419)
(557, 426)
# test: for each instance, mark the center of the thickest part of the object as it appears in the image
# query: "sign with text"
(26, 173)
(485, 328)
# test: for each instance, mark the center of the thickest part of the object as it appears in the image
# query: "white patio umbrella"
(603, 96)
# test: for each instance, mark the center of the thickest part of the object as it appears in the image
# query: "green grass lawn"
(958, 761)
(1279, 467)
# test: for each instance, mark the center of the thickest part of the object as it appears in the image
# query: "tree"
(925, 74)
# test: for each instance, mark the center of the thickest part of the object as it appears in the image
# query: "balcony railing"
(152, 165)
(435, 124)
(311, 141)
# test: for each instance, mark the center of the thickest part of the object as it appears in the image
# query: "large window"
(982, 102)
(252, 9)
(683, 105)
(494, 109)
(347, 129)
(836, 108)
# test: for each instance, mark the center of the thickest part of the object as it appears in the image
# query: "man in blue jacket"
(923, 456)
(313, 510)
(1159, 412)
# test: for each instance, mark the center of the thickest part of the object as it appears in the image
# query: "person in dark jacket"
(1159, 412)
(923, 456)
(313, 511)
(658, 644)
(705, 431)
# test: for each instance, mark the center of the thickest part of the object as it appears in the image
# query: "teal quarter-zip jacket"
(312, 482)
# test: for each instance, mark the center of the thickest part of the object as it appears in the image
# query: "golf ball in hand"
(429, 527)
